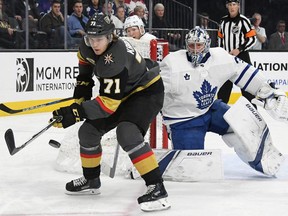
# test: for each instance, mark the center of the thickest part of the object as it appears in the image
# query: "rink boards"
(32, 78)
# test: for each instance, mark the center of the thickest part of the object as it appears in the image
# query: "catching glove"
(274, 101)
(83, 88)
(70, 115)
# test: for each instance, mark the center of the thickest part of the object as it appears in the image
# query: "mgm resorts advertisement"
(38, 75)
(48, 75)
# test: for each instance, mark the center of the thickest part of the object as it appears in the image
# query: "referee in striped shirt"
(236, 36)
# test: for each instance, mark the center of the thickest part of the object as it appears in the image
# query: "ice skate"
(82, 186)
(155, 199)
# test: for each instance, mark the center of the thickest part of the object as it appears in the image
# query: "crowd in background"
(46, 21)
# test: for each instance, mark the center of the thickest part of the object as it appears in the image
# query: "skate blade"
(84, 192)
(158, 205)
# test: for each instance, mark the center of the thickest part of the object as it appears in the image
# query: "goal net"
(68, 159)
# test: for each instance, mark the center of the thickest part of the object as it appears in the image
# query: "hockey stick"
(6, 109)
(10, 141)
(106, 169)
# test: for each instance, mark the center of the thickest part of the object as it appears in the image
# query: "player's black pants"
(225, 91)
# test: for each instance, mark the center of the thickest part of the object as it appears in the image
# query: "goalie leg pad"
(188, 165)
(193, 165)
(251, 138)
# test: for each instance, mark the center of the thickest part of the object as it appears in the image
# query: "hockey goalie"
(193, 76)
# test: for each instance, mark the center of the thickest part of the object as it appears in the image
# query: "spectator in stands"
(9, 8)
(133, 3)
(107, 9)
(120, 13)
(77, 21)
(10, 11)
(93, 7)
(140, 12)
(70, 9)
(9, 37)
(33, 14)
(134, 27)
(204, 21)
(117, 3)
(18, 9)
(43, 6)
(205, 24)
(53, 24)
(260, 32)
(159, 21)
(279, 39)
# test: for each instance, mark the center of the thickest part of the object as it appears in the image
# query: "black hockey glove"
(83, 88)
(70, 115)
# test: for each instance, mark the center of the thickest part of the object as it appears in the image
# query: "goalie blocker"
(251, 138)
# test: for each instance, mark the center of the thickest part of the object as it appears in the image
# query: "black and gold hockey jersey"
(121, 72)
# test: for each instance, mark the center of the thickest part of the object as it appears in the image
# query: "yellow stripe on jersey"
(140, 88)
(108, 104)
(81, 59)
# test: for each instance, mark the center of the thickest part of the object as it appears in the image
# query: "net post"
(158, 50)
(153, 126)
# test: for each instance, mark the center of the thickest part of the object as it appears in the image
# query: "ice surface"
(29, 184)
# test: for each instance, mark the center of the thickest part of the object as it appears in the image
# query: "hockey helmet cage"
(99, 24)
(195, 36)
(132, 21)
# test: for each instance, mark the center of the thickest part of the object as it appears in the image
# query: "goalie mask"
(99, 25)
(133, 21)
(197, 44)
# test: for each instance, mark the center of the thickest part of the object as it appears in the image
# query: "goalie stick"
(10, 141)
(6, 109)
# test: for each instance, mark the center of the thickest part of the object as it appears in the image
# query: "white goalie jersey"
(196, 88)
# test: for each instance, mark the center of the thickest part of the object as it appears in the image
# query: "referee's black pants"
(225, 91)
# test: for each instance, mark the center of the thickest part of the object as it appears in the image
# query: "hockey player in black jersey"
(130, 96)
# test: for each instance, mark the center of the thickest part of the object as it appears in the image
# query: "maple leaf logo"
(206, 96)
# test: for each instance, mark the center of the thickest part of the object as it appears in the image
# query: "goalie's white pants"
(251, 138)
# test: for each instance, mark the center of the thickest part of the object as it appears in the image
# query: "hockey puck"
(54, 143)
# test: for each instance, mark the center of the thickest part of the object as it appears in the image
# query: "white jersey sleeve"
(190, 91)
(147, 36)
